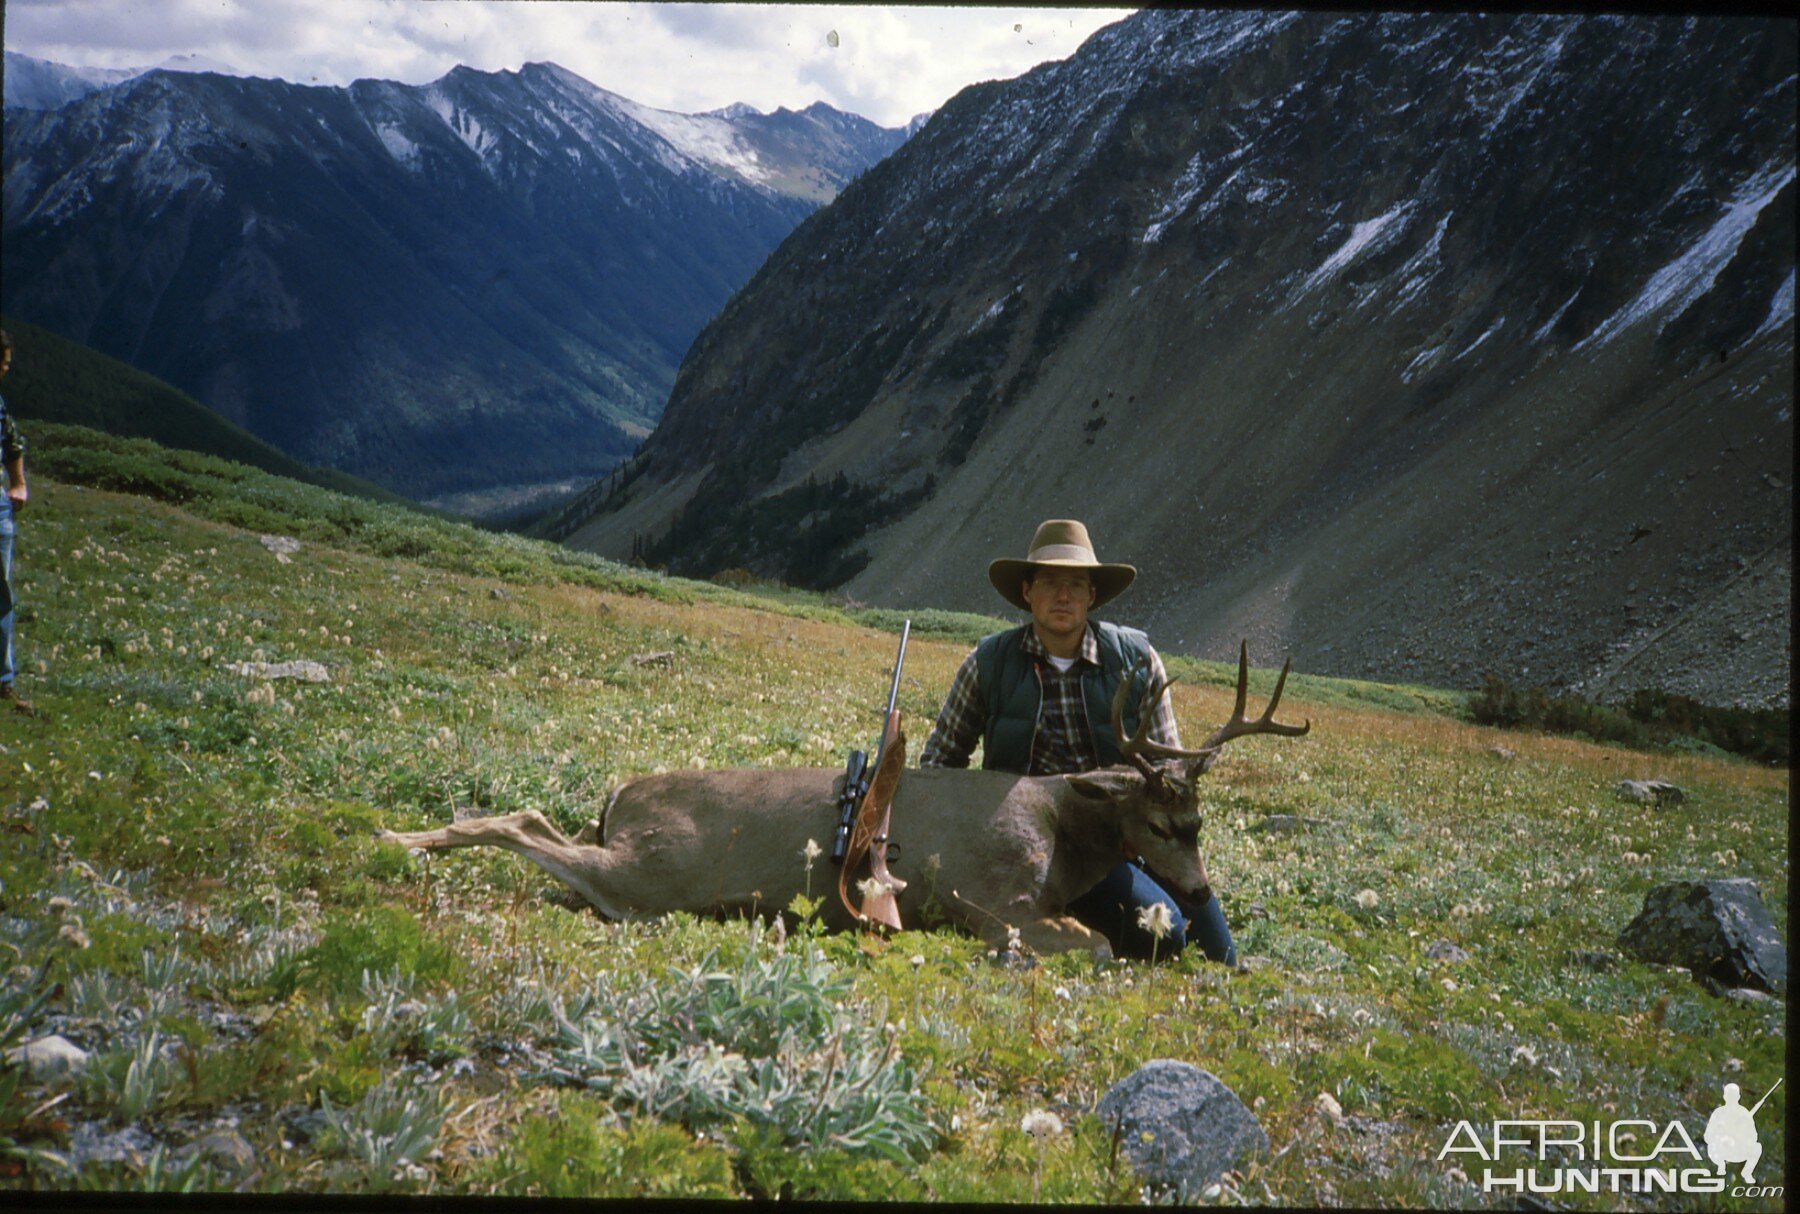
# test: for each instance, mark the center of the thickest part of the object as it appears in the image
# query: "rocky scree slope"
(488, 280)
(1421, 346)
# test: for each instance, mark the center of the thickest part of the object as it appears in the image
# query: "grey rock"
(1179, 1126)
(1257, 910)
(1443, 950)
(1593, 959)
(91, 1142)
(1717, 928)
(1749, 994)
(283, 546)
(302, 1125)
(1284, 824)
(1501, 752)
(1651, 792)
(50, 1058)
(228, 1147)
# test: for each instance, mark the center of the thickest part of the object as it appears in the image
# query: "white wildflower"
(1156, 920)
(1368, 899)
(812, 851)
(1041, 1124)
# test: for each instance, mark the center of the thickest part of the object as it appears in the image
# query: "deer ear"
(1105, 785)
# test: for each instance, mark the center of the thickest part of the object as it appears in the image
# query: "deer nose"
(1200, 895)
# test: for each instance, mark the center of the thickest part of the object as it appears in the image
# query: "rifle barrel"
(899, 661)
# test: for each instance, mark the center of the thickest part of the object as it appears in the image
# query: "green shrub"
(379, 939)
(1648, 718)
(777, 1043)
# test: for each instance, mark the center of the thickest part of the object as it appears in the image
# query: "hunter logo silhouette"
(1731, 1133)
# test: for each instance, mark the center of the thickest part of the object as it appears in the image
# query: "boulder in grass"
(50, 1058)
(1179, 1126)
(283, 546)
(227, 1148)
(1443, 950)
(1594, 959)
(1717, 928)
(1651, 792)
(1284, 824)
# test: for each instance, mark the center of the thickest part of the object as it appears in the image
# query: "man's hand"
(16, 493)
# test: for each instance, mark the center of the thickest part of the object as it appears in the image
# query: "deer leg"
(520, 832)
(530, 834)
(1054, 934)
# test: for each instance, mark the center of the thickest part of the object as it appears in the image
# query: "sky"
(885, 63)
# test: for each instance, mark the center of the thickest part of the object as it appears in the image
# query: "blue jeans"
(1111, 908)
(6, 598)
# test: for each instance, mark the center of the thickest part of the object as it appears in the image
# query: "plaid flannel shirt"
(12, 447)
(1063, 742)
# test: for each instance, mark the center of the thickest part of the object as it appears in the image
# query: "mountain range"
(1417, 345)
(479, 285)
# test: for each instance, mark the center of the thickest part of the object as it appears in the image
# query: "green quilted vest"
(1010, 689)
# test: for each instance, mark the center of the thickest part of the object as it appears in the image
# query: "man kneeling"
(1037, 699)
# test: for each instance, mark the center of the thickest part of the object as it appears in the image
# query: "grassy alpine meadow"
(272, 1000)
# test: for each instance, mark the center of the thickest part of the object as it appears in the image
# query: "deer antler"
(1237, 726)
(1135, 748)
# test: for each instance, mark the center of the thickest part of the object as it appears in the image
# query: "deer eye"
(1161, 831)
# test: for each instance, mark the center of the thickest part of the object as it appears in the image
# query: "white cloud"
(890, 63)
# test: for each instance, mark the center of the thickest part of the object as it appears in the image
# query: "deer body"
(989, 850)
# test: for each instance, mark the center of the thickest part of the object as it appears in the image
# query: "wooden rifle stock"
(870, 831)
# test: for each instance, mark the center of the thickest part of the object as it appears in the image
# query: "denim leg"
(1111, 908)
(1208, 929)
(6, 598)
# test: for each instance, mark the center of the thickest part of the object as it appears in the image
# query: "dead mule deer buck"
(989, 849)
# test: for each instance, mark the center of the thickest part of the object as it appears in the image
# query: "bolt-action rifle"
(864, 809)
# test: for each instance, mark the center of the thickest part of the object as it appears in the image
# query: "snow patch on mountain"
(1371, 235)
(1537, 59)
(1544, 330)
(703, 138)
(1422, 266)
(1477, 343)
(398, 145)
(1187, 188)
(1674, 288)
(1423, 361)
(1781, 309)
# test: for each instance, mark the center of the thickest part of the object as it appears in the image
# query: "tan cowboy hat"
(1060, 543)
